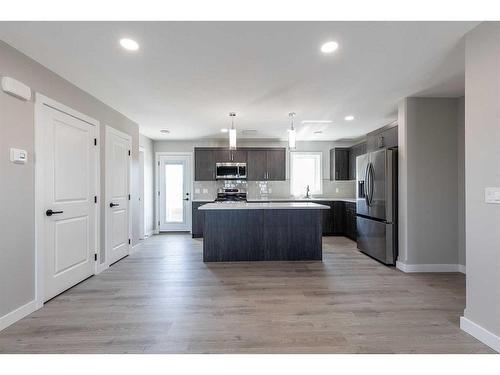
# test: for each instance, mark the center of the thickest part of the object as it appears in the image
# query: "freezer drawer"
(377, 239)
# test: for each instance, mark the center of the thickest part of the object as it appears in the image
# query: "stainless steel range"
(231, 195)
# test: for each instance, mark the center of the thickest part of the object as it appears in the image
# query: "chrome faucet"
(307, 192)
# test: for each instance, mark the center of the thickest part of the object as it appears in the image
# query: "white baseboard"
(149, 234)
(410, 268)
(461, 268)
(102, 267)
(17, 314)
(483, 335)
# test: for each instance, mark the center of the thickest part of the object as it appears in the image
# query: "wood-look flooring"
(164, 299)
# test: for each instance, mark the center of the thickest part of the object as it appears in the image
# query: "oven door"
(226, 171)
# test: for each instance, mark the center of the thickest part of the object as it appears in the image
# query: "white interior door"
(118, 147)
(142, 229)
(175, 193)
(68, 167)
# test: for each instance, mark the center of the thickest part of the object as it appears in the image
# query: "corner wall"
(482, 169)
(428, 191)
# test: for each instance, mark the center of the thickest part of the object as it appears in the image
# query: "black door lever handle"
(50, 212)
(113, 204)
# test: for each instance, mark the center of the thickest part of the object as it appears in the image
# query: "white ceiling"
(187, 76)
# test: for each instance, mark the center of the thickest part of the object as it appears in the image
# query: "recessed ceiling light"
(224, 130)
(317, 121)
(349, 118)
(129, 44)
(329, 47)
(165, 131)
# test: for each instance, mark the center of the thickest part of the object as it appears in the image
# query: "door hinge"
(129, 197)
(158, 193)
(95, 198)
(95, 257)
(158, 222)
(128, 152)
(158, 163)
(129, 241)
(95, 141)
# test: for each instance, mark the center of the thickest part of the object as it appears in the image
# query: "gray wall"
(461, 179)
(482, 169)
(17, 181)
(428, 181)
(148, 146)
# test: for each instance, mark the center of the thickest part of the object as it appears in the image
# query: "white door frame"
(158, 155)
(142, 171)
(42, 101)
(107, 195)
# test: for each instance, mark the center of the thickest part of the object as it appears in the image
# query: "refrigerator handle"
(370, 176)
(365, 186)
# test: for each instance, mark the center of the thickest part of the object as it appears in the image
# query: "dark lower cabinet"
(327, 218)
(350, 220)
(198, 220)
(338, 218)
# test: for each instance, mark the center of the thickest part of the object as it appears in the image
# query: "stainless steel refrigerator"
(377, 204)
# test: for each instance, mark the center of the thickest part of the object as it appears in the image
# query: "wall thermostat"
(16, 88)
(18, 156)
(492, 195)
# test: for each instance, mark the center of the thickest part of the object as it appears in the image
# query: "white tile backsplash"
(271, 189)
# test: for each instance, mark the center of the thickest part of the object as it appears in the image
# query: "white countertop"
(263, 206)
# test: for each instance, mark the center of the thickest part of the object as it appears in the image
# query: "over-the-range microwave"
(230, 171)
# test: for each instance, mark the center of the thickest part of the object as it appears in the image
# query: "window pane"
(306, 170)
(174, 186)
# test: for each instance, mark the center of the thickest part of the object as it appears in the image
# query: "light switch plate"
(18, 156)
(492, 195)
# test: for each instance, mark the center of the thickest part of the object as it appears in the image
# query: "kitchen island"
(266, 231)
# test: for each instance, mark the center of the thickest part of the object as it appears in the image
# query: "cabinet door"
(222, 156)
(239, 156)
(339, 164)
(338, 218)
(256, 165)
(391, 137)
(198, 220)
(327, 219)
(204, 165)
(276, 165)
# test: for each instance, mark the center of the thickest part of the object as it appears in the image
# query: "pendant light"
(291, 133)
(232, 132)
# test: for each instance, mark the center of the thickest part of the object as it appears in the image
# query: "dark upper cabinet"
(386, 137)
(239, 156)
(339, 163)
(276, 164)
(354, 152)
(256, 165)
(266, 164)
(227, 156)
(204, 164)
(222, 156)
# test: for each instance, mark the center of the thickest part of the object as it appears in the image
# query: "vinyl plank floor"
(164, 299)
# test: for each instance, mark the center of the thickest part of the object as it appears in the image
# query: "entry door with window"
(175, 193)
(67, 170)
